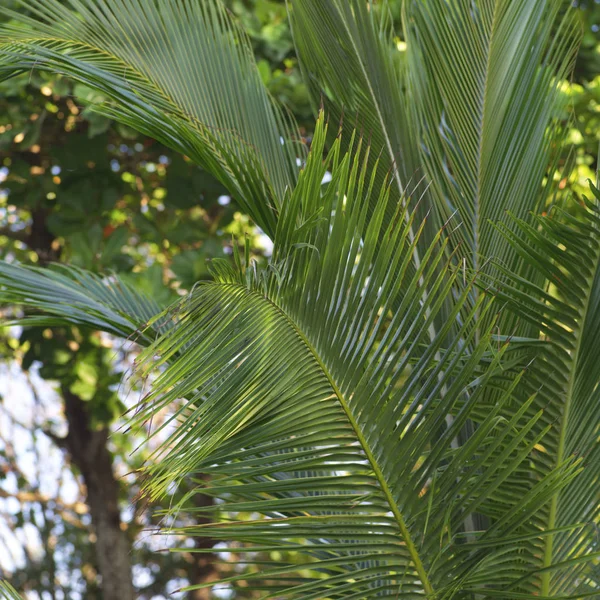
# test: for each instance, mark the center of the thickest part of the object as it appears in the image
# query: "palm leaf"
(564, 250)
(68, 295)
(355, 71)
(314, 400)
(454, 101)
(485, 82)
(179, 71)
(353, 68)
(316, 392)
(461, 98)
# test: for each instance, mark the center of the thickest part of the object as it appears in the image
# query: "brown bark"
(203, 569)
(89, 452)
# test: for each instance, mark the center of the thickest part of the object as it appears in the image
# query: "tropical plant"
(406, 396)
(53, 152)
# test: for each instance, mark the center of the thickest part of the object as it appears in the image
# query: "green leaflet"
(7, 592)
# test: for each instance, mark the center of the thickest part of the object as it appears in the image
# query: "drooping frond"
(69, 295)
(485, 79)
(564, 315)
(313, 396)
(179, 71)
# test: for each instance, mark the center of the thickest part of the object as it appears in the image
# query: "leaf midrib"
(482, 124)
(548, 551)
(410, 545)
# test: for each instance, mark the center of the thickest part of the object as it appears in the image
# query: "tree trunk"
(89, 452)
(87, 448)
(203, 569)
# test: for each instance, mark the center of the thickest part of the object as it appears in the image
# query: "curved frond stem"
(406, 535)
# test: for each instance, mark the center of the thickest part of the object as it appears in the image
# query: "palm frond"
(354, 69)
(316, 392)
(564, 251)
(315, 401)
(179, 71)
(68, 295)
(485, 81)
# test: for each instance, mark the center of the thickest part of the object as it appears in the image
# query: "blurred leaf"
(150, 283)
(32, 132)
(189, 267)
(87, 379)
(85, 246)
(113, 245)
(187, 184)
(97, 123)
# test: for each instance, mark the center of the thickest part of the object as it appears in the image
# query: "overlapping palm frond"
(354, 70)
(478, 70)
(316, 392)
(178, 70)
(69, 295)
(314, 401)
(564, 250)
(460, 99)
